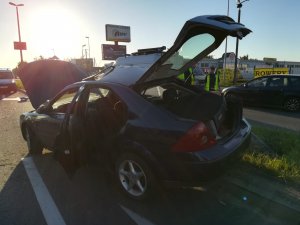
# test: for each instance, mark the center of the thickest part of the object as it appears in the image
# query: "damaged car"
(139, 120)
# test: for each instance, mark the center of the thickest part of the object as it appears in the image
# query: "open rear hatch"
(198, 38)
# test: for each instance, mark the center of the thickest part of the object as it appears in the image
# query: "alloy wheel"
(132, 178)
(292, 104)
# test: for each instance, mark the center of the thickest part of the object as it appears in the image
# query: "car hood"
(43, 79)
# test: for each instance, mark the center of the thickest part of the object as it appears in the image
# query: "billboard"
(112, 52)
(117, 33)
(258, 72)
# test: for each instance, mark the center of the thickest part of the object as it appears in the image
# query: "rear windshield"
(6, 75)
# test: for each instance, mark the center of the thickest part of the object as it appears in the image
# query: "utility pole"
(239, 6)
(19, 32)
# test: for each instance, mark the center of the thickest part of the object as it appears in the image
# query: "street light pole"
(82, 50)
(89, 46)
(17, 5)
(225, 55)
(239, 6)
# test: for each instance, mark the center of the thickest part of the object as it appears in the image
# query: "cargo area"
(222, 115)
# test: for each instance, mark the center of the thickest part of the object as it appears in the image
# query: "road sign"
(20, 45)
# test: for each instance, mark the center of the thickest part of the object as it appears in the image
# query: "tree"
(245, 57)
(16, 71)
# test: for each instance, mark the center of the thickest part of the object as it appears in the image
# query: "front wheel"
(33, 144)
(134, 176)
(292, 104)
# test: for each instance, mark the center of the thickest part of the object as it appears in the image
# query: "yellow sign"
(259, 72)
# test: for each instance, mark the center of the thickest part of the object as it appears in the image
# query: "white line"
(136, 217)
(48, 207)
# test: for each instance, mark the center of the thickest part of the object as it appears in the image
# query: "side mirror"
(43, 108)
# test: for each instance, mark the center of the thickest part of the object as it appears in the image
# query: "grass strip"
(284, 161)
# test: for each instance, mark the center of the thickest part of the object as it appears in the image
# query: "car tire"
(33, 144)
(292, 104)
(134, 177)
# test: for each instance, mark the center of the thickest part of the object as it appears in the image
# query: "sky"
(60, 27)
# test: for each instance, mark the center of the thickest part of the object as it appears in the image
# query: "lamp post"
(89, 46)
(239, 5)
(82, 50)
(17, 5)
(225, 55)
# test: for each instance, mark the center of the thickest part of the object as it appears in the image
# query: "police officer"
(188, 77)
(212, 80)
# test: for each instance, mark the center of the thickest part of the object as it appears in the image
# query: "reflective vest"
(191, 75)
(216, 85)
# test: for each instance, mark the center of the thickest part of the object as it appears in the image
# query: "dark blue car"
(148, 127)
(279, 91)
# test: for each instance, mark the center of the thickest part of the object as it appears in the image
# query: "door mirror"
(43, 108)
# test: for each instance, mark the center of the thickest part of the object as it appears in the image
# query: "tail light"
(196, 139)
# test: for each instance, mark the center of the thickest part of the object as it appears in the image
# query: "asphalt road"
(36, 190)
(274, 117)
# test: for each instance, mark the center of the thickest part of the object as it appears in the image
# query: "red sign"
(20, 45)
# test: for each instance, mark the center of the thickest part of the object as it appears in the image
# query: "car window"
(154, 92)
(6, 75)
(294, 82)
(62, 103)
(276, 82)
(258, 82)
(190, 49)
(96, 93)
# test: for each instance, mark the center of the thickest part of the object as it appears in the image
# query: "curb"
(267, 188)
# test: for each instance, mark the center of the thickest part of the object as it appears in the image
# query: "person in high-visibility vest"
(188, 76)
(212, 80)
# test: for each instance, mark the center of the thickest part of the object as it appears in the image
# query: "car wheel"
(134, 176)
(33, 144)
(292, 104)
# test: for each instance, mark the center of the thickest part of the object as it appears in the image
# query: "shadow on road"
(91, 197)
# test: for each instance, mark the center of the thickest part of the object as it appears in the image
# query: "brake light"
(196, 139)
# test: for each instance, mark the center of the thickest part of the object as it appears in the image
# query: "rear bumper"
(7, 88)
(208, 164)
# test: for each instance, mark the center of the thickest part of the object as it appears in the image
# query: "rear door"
(274, 91)
(253, 93)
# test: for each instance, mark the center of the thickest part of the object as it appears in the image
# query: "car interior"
(104, 118)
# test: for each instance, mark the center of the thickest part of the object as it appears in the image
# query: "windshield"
(189, 50)
(6, 75)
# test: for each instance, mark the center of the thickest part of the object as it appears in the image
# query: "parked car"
(137, 118)
(7, 82)
(281, 91)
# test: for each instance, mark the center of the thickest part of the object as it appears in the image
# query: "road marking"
(136, 217)
(47, 205)
(15, 99)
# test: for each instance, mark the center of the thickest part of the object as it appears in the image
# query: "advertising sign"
(117, 33)
(258, 72)
(19, 45)
(112, 52)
